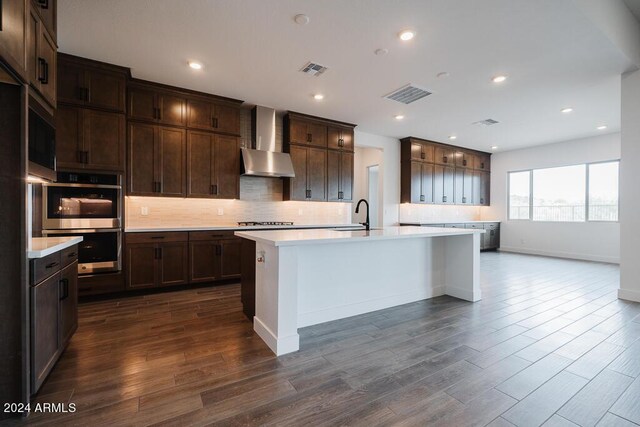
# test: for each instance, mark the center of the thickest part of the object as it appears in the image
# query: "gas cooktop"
(254, 223)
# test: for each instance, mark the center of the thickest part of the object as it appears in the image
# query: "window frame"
(587, 199)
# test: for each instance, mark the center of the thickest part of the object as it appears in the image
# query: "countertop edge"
(238, 228)
(35, 254)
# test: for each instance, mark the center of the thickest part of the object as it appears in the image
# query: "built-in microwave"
(42, 146)
(82, 200)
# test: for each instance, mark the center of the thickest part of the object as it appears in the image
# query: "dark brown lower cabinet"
(213, 256)
(54, 311)
(157, 259)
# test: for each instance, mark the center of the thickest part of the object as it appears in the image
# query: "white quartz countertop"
(447, 222)
(40, 247)
(234, 227)
(311, 237)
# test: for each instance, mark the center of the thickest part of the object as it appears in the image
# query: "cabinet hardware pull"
(340, 195)
(444, 159)
(72, 254)
(157, 237)
(44, 4)
(53, 264)
(444, 199)
(482, 165)
(422, 198)
(464, 200)
(308, 194)
(218, 250)
(41, 76)
(215, 188)
(482, 201)
(159, 253)
(422, 156)
(309, 137)
(464, 162)
(215, 122)
(87, 94)
(79, 156)
(85, 157)
(64, 289)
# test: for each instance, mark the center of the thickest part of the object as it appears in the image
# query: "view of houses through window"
(587, 192)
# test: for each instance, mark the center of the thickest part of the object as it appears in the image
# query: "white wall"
(389, 170)
(364, 157)
(587, 240)
(630, 189)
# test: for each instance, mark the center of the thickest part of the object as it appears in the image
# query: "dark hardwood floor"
(549, 344)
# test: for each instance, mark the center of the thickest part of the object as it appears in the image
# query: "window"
(578, 193)
(559, 194)
(519, 195)
(603, 191)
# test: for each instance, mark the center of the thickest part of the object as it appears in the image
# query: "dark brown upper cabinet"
(48, 10)
(213, 165)
(310, 168)
(13, 34)
(41, 57)
(417, 182)
(308, 133)
(152, 104)
(90, 139)
(464, 159)
(157, 161)
(339, 176)
(414, 150)
(217, 117)
(91, 84)
(340, 138)
(457, 176)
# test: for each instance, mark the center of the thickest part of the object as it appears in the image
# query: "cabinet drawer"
(492, 226)
(211, 235)
(174, 236)
(475, 226)
(100, 284)
(69, 255)
(41, 268)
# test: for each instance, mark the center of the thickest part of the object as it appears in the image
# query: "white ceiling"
(252, 50)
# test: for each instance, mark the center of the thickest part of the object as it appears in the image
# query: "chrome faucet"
(366, 223)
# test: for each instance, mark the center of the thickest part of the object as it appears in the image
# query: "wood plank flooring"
(549, 344)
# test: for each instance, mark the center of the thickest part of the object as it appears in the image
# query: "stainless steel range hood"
(263, 159)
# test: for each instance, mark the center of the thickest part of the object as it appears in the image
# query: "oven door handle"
(83, 231)
(67, 185)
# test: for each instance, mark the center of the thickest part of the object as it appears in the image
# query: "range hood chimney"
(262, 159)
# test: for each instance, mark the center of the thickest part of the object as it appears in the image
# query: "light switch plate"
(144, 211)
(220, 211)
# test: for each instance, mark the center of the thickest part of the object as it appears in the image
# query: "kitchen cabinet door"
(141, 177)
(444, 155)
(172, 153)
(44, 329)
(443, 184)
(142, 104)
(48, 11)
(476, 179)
(68, 301)
(482, 162)
(226, 119)
(426, 183)
(298, 132)
(346, 177)
(334, 163)
(318, 134)
(173, 263)
(105, 90)
(339, 138)
(422, 152)
(296, 188)
(463, 187)
(200, 164)
(227, 167)
(13, 34)
(69, 134)
(172, 109)
(464, 159)
(48, 67)
(200, 114)
(416, 182)
(204, 261)
(485, 188)
(317, 174)
(230, 258)
(142, 260)
(71, 81)
(104, 140)
(32, 45)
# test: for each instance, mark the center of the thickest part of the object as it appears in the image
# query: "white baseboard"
(279, 345)
(465, 294)
(629, 295)
(567, 255)
(348, 310)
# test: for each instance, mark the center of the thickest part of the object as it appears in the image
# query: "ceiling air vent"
(487, 122)
(313, 69)
(408, 94)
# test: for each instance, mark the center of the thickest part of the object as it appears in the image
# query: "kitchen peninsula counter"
(306, 277)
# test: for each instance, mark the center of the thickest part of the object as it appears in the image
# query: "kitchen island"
(306, 277)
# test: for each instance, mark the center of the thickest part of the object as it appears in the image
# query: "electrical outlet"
(220, 211)
(144, 211)
(300, 212)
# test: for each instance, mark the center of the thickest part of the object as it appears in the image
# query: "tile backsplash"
(425, 213)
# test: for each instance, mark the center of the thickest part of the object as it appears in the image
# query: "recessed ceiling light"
(399, 117)
(452, 137)
(494, 147)
(442, 75)
(406, 35)
(602, 127)
(381, 51)
(318, 97)
(499, 79)
(566, 110)
(301, 19)
(195, 65)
